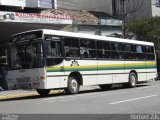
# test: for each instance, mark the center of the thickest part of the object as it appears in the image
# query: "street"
(145, 98)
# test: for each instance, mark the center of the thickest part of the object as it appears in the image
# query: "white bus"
(50, 59)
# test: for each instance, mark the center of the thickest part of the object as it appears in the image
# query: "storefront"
(14, 22)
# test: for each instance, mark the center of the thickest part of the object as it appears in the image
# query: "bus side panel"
(151, 70)
(119, 75)
(104, 74)
(53, 82)
(55, 76)
(87, 68)
(111, 72)
(139, 67)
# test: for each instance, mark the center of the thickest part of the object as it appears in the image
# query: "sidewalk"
(19, 91)
(11, 94)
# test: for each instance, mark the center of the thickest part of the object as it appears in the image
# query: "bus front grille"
(25, 79)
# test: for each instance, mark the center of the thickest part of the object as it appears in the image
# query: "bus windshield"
(27, 55)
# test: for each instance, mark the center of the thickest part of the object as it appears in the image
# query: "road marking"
(133, 99)
(77, 96)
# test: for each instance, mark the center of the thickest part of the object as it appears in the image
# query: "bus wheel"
(105, 87)
(73, 86)
(132, 80)
(43, 92)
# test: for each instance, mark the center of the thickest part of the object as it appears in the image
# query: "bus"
(51, 59)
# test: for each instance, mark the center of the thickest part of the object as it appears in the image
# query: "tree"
(147, 29)
(129, 7)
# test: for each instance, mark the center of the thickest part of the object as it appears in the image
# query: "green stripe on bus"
(101, 68)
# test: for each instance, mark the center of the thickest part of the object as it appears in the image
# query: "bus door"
(54, 61)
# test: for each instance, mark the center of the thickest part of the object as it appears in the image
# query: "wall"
(135, 9)
(155, 9)
(27, 3)
(89, 5)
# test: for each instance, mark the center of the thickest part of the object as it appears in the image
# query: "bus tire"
(43, 92)
(73, 86)
(132, 80)
(105, 87)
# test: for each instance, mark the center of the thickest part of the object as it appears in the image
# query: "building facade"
(89, 5)
(27, 3)
(134, 9)
(155, 8)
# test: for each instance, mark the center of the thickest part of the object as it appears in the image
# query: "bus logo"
(74, 63)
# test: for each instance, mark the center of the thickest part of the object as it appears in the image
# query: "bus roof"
(88, 36)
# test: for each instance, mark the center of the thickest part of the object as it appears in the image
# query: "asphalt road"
(145, 98)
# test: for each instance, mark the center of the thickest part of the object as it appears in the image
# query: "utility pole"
(54, 4)
(123, 18)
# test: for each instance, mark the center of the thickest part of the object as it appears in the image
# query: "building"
(18, 5)
(155, 8)
(23, 15)
(89, 5)
(134, 9)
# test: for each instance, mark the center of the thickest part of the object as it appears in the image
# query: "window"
(149, 53)
(129, 52)
(139, 49)
(149, 49)
(103, 50)
(117, 51)
(27, 55)
(140, 55)
(71, 47)
(54, 53)
(115, 46)
(87, 48)
(53, 49)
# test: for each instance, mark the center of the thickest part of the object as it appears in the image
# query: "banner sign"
(34, 18)
(111, 22)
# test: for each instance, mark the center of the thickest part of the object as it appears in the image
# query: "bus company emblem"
(74, 63)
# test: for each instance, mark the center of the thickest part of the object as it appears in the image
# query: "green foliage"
(147, 29)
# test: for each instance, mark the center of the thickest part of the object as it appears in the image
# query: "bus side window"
(116, 51)
(71, 47)
(100, 49)
(129, 52)
(140, 55)
(87, 48)
(149, 53)
(54, 53)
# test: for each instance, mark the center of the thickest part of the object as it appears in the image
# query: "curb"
(4, 97)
